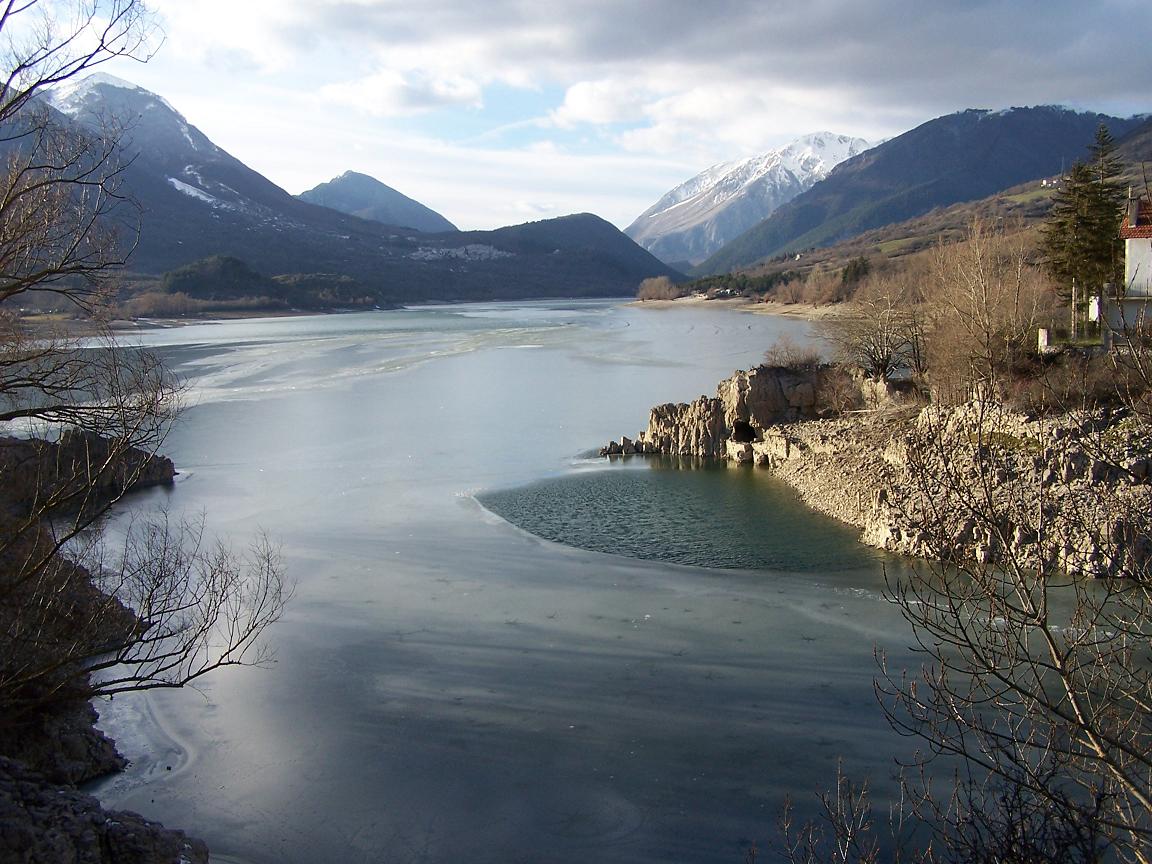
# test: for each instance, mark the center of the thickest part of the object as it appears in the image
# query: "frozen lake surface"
(452, 687)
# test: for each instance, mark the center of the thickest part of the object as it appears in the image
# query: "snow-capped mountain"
(75, 95)
(165, 146)
(197, 201)
(702, 214)
(964, 156)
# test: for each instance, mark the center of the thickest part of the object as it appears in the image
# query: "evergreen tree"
(1107, 204)
(1082, 234)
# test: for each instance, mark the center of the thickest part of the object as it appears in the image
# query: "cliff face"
(744, 406)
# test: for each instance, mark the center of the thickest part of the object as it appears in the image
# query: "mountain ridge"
(696, 218)
(959, 157)
(198, 201)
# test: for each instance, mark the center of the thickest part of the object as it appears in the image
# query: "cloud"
(615, 60)
(605, 101)
(258, 34)
(389, 92)
(600, 102)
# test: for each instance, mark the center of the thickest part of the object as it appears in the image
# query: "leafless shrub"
(984, 302)
(83, 419)
(881, 332)
(658, 288)
(787, 353)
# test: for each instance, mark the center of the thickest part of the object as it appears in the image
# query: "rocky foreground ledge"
(45, 824)
(976, 481)
(44, 819)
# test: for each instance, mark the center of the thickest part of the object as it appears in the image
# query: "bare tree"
(658, 288)
(1037, 675)
(84, 420)
(1032, 611)
(1031, 606)
(985, 300)
(882, 332)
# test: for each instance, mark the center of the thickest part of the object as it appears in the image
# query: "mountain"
(959, 157)
(368, 198)
(702, 214)
(1134, 150)
(197, 201)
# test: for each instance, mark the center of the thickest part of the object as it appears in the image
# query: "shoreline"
(52, 763)
(79, 327)
(48, 324)
(807, 311)
(890, 468)
(55, 324)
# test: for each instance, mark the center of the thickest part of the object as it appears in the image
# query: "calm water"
(699, 512)
(452, 686)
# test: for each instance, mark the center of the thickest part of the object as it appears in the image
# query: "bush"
(658, 288)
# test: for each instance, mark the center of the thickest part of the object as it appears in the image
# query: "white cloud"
(252, 32)
(389, 92)
(600, 102)
(603, 105)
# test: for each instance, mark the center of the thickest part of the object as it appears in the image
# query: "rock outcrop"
(980, 483)
(49, 748)
(63, 745)
(42, 824)
(973, 482)
(80, 469)
(744, 406)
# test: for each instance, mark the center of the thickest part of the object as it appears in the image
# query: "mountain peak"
(959, 157)
(366, 197)
(699, 216)
(70, 97)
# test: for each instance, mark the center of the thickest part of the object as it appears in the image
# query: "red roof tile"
(1139, 232)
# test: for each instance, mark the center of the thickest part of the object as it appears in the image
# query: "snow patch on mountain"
(192, 191)
(69, 96)
(699, 216)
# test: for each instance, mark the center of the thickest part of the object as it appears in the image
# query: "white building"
(1132, 311)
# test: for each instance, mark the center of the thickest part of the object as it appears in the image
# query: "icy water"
(638, 664)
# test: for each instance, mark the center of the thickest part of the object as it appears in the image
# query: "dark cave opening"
(744, 432)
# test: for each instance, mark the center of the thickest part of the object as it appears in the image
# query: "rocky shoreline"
(44, 818)
(974, 482)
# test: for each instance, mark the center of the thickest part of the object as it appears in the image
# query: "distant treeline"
(722, 285)
(224, 284)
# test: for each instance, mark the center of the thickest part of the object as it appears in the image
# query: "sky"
(505, 111)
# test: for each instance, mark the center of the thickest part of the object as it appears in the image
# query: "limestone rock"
(755, 400)
(1070, 491)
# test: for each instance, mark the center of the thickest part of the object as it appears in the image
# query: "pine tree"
(1106, 205)
(1082, 234)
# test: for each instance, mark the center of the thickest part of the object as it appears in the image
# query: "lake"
(639, 664)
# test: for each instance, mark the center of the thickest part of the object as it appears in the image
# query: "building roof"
(1142, 228)
(1140, 231)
